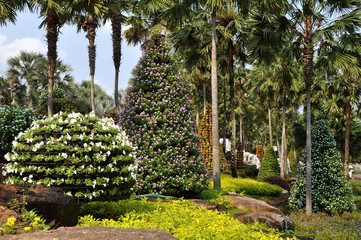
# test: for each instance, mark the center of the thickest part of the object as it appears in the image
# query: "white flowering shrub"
(90, 158)
(331, 191)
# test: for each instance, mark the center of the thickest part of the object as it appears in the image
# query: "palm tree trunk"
(283, 159)
(279, 150)
(225, 114)
(197, 115)
(308, 73)
(204, 95)
(241, 120)
(215, 134)
(117, 54)
(347, 135)
(52, 31)
(294, 119)
(91, 26)
(233, 114)
(270, 126)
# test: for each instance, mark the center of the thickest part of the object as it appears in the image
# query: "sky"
(72, 50)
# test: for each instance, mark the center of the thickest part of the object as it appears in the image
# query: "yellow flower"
(11, 221)
(33, 224)
(37, 219)
(27, 228)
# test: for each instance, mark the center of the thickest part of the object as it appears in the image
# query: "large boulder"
(209, 205)
(273, 220)
(6, 213)
(95, 233)
(50, 203)
(247, 203)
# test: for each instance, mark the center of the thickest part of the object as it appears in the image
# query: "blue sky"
(72, 49)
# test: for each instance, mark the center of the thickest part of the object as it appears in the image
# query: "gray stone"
(94, 233)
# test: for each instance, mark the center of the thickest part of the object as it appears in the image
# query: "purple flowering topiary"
(158, 119)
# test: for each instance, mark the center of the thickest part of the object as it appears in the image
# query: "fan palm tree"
(24, 68)
(88, 15)
(55, 15)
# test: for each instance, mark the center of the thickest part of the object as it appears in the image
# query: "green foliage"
(57, 93)
(87, 156)
(249, 186)
(184, 221)
(12, 122)
(248, 171)
(323, 226)
(158, 118)
(216, 196)
(277, 180)
(269, 166)
(331, 191)
(59, 105)
(356, 187)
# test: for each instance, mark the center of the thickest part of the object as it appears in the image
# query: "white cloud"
(12, 49)
(108, 27)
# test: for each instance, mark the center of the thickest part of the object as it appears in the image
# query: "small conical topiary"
(158, 119)
(331, 191)
(269, 166)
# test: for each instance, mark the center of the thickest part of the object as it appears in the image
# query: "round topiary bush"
(269, 166)
(88, 157)
(158, 117)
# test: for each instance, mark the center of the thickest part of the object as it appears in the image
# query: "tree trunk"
(52, 30)
(233, 114)
(91, 26)
(225, 114)
(308, 73)
(294, 119)
(279, 150)
(117, 55)
(204, 95)
(347, 136)
(270, 126)
(283, 137)
(197, 115)
(215, 134)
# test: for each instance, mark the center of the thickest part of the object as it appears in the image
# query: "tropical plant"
(158, 117)
(8, 10)
(333, 192)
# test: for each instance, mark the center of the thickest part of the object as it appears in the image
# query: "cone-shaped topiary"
(158, 118)
(88, 157)
(331, 191)
(269, 166)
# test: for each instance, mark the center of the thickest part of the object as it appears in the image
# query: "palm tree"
(55, 15)
(24, 67)
(88, 16)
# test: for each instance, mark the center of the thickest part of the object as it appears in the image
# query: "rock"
(209, 205)
(50, 203)
(247, 203)
(276, 202)
(273, 220)
(6, 213)
(94, 233)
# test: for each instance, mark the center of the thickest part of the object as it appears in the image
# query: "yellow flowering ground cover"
(185, 221)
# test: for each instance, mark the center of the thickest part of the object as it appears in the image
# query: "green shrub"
(248, 186)
(59, 105)
(358, 202)
(158, 118)
(88, 157)
(356, 187)
(269, 166)
(277, 180)
(185, 221)
(248, 171)
(331, 191)
(12, 122)
(324, 226)
(57, 93)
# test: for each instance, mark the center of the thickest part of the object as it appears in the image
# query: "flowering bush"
(331, 191)
(269, 166)
(158, 118)
(12, 122)
(87, 156)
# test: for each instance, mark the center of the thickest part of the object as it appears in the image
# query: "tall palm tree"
(24, 67)
(54, 14)
(88, 16)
